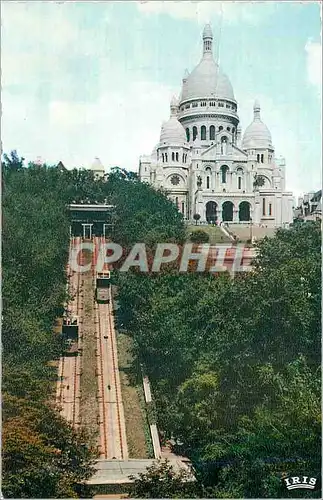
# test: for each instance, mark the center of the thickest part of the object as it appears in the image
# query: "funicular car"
(70, 335)
(102, 288)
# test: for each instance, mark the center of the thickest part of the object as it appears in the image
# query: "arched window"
(262, 158)
(166, 157)
(264, 206)
(270, 209)
(224, 141)
(176, 201)
(173, 156)
(220, 128)
(224, 170)
(183, 207)
(258, 158)
(176, 156)
(239, 182)
(228, 129)
(163, 157)
(188, 134)
(203, 133)
(212, 133)
(194, 133)
(208, 182)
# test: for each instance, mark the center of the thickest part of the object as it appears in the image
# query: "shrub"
(199, 236)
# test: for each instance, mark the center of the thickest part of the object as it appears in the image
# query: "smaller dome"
(96, 165)
(172, 132)
(257, 134)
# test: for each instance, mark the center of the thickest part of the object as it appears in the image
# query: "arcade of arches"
(212, 215)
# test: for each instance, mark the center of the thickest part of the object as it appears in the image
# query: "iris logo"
(300, 482)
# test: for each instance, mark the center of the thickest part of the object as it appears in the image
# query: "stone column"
(200, 208)
(256, 218)
(278, 209)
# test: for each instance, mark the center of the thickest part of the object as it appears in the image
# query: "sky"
(95, 79)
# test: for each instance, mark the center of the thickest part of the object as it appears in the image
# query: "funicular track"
(68, 388)
(112, 440)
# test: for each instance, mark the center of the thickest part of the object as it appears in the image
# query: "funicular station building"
(89, 219)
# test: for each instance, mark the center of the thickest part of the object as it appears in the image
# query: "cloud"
(203, 11)
(314, 64)
(119, 127)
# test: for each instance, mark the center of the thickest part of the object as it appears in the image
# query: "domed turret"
(172, 132)
(97, 167)
(207, 79)
(257, 135)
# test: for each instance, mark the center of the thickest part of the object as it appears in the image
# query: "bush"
(199, 236)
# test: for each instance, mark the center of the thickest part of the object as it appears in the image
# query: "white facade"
(202, 162)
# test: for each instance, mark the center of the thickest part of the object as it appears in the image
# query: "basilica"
(209, 170)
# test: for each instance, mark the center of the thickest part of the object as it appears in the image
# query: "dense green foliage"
(162, 481)
(43, 457)
(199, 236)
(235, 365)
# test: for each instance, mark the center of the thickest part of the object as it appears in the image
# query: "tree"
(234, 365)
(12, 162)
(162, 481)
(196, 217)
(42, 456)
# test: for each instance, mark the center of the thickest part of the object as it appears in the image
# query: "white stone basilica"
(204, 165)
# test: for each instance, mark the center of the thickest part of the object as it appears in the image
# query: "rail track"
(112, 440)
(69, 372)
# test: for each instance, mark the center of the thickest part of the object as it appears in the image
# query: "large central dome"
(207, 79)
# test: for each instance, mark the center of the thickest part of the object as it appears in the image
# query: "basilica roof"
(257, 134)
(207, 80)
